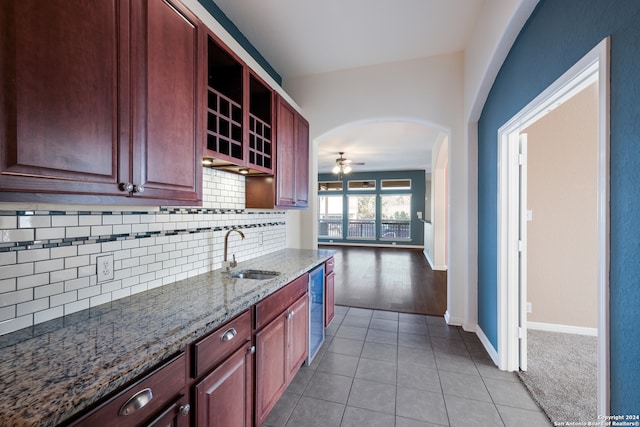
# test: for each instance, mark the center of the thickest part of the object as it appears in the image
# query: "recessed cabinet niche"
(100, 102)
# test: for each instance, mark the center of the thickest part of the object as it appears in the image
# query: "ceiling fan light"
(336, 169)
(347, 169)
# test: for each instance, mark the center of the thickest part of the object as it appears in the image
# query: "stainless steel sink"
(253, 274)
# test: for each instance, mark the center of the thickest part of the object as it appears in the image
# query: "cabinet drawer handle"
(229, 335)
(137, 401)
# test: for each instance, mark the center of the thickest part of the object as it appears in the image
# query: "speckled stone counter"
(54, 370)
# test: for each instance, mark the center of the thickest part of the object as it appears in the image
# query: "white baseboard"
(565, 329)
(457, 321)
(434, 267)
(426, 255)
(487, 345)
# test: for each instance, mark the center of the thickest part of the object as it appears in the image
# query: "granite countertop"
(54, 370)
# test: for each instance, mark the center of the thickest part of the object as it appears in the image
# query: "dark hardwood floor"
(394, 279)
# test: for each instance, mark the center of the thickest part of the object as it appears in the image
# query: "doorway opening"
(513, 216)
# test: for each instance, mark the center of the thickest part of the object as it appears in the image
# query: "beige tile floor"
(388, 369)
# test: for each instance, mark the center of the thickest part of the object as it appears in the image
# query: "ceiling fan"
(343, 166)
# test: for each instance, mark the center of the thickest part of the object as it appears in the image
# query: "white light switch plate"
(104, 268)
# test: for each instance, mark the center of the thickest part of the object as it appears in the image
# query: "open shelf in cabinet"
(225, 113)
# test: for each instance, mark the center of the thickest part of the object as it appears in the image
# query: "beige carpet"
(562, 375)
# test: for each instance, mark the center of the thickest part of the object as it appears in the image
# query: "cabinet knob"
(290, 315)
(184, 409)
(138, 188)
(136, 402)
(252, 349)
(126, 187)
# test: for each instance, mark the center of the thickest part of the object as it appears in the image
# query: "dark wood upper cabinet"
(97, 95)
(239, 113)
(167, 89)
(289, 187)
(292, 179)
(225, 104)
(62, 66)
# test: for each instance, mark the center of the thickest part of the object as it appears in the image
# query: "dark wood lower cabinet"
(271, 372)
(224, 398)
(297, 336)
(158, 399)
(281, 348)
(222, 379)
(329, 298)
(176, 415)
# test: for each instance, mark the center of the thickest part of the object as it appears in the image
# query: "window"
(362, 217)
(330, 186)
(330, 216)
(395, 216)
(368, 185)
(395, 184)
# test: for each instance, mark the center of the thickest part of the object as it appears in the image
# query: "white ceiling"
(305, 37)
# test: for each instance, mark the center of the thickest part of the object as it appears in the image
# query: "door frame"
(594, 65)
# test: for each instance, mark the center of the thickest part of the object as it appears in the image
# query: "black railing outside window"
(330, 228)
(391, 229)
(365, 229)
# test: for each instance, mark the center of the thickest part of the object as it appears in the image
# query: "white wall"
(428, 90)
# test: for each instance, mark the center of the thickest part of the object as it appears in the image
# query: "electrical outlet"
(261, 239)
(529, 307)
(105, 268)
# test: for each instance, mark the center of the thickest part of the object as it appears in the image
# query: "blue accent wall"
(418, 191)
(226, 23)
(555, 37)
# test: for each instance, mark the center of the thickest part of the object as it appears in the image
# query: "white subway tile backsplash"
(16, 297)
(8, 222)
(64, 221)
(33, 255)
(33, 280)
(71, 232)
(75, 306)
(15, 324)
(46, 266)
(25, 235)
(48, 290)
(34, 221)
(50, 233)
(7, 285)
(50, 257)
(46, 315)
(64, 252)
(32, 306)
(64, 298)
(17, 270)
(8, 312)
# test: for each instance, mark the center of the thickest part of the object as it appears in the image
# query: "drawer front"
(214, 348)
(141, 400)
(328, 265)
(270, 307)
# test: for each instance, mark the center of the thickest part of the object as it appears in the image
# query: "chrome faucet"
(226, 264)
